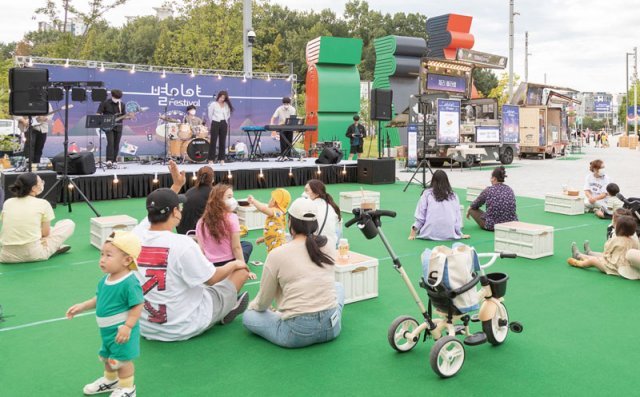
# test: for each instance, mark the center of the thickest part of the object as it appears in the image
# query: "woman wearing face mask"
(218, 230)
(27, 234)
(329, 218)
(595, 187)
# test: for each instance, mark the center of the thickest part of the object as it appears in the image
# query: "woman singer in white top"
(219, 114)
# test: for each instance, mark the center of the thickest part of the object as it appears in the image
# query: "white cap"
(303, 209)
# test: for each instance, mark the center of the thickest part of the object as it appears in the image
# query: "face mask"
(192, 112)
(304, 195)
(231, 203)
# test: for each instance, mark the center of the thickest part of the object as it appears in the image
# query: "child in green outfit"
(118, 303)
(275, 224)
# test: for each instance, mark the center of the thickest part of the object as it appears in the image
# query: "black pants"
(38, 139)
(286, 137)
(113, 144)
(218, 137)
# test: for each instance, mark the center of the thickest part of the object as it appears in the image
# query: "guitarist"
(113, 106)
(36, 136)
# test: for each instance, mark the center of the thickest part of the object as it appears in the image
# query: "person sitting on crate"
(356, 133)
(438, 212)
(500, 202)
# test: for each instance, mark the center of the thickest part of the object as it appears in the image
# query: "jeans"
(299, 331)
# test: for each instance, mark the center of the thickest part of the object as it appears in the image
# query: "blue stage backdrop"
(254, 102)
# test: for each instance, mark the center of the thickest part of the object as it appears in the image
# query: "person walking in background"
(220, 115)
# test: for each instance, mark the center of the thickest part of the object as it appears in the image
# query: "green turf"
(562, 351)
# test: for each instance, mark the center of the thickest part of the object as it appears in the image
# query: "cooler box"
(351, 200)
(525, 239)
(103, 226)
(473, 192)
(359, 276)
(251, 217)
(563, 204)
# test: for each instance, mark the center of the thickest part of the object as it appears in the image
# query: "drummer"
(190, 118)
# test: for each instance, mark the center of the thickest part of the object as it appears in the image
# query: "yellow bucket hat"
(282, 198)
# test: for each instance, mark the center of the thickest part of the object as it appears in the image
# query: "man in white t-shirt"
(595, 187)
(282, 113)
(184, 293)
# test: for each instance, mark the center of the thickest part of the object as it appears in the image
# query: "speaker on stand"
(381, 110)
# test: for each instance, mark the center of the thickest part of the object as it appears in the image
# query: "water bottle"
(343, 249)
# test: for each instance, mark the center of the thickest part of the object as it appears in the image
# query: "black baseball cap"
(163, 200)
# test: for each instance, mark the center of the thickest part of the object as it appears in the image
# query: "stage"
(133, 179)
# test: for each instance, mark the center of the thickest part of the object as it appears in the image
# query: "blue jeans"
(300, 331)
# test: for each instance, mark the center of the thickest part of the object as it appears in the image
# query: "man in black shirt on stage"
(356, 134)
(113, 106)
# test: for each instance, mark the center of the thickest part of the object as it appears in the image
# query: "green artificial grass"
(562, 351)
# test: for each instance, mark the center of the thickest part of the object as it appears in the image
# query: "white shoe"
(124, 392)
(100, 385)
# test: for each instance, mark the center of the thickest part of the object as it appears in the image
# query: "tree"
(485, 81)
(592, 124)
(501, 91)
(97, 9)
(5, 65)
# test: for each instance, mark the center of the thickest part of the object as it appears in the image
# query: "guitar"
(23, 122)
(131, 115)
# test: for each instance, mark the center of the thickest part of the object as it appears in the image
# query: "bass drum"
(197, 150)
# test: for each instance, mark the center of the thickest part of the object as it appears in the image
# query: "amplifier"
(330, 144)
(377, 171)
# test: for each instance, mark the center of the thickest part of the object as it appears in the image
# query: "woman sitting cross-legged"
(438, 212)
(300, 277)
(614, 259)
(27, 234)
(500, 202)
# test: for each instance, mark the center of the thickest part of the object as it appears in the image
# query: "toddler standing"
(118, 303)
(275, 224)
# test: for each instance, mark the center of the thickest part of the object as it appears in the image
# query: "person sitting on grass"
(27, 234)
(613, 260)
(612, 202)
(118, 303)
(595, 186)
(500, 202)
(438, 212)
(611, 229)
(274, 234)
(218, 231)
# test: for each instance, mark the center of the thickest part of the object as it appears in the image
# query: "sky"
(576, 43)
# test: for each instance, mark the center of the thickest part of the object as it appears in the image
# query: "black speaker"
(381, 100)
(376, 171)
(55, 94)
(49, 178)
(81, 163)
(98, 94)
(329, 155)
(28, 95)
(78, 94)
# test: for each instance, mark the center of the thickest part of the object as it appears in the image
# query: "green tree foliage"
(485, 81)
(5, 65)
(501, 91)
(622, 109)
(592, 124)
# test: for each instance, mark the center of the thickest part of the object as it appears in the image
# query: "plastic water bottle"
(343, 249)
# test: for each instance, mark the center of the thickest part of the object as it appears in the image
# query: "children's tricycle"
(450, 278)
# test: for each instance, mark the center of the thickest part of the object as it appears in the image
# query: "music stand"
(102, 122)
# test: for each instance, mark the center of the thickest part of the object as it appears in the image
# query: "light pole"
(635, 88)
(626, 96)
(511, 15)
(247, 39)
(526, 57)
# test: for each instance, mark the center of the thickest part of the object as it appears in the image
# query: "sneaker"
(575, 254)
(240, 307)
(62, 249)
(100, 385)
(124, 392)
(587, 247)
(109, 164)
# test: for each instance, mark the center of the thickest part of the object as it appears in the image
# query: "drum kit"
(187, 141)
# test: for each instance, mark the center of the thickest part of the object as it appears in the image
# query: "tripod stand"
(64, 180)
(424, 164)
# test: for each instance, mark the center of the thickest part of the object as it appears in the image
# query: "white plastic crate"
(251, 217)
(351, 200)
(102, 227)
(473, 192)
(359, 276)
(564, 204)
(525, 239)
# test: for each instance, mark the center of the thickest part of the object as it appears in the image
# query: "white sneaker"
(124, 392)
(100, 385)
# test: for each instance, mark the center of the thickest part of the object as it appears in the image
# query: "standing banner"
(630, 116)
(412, 145)
(510, 124)
(448, 121)
(160, 101)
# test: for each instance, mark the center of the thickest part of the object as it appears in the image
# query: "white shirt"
(283, 112)
(41, 123)
(172, 271)
(596, 186)
(219, 112)
(332, 224)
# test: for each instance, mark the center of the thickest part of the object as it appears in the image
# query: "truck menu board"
(441, 82)
(448, 121)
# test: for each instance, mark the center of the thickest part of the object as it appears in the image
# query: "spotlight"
(115, 179)
(244, 78)
(268, 77)
(344, 170)
(260, 175)
(66, 64)
(290, 172)
(70, 186)
(193, 73)
(318, 172)
(229, 176)
(102, 67)
(290, 77)
(164, 74)
(133, 69)
(155, 178)
(194, 177)
(219, 76)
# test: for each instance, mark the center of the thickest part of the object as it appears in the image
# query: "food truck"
(543, 119)
(449, 121)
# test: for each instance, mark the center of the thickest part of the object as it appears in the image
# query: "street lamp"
(512, 14)
(626, 95)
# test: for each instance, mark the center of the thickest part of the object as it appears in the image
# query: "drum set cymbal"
(169, 119)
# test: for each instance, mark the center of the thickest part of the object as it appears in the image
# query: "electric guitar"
(131, 115)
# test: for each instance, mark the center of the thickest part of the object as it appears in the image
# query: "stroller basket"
(498, 284)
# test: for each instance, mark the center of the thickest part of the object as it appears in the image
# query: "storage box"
(633, 142)
(563, 204)
(359, 276)
(525, 239)
(473, 192)
(623, 141)
(102, 227)
(251, 217)
(351, 200)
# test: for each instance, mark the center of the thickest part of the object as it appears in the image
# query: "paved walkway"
(535, 178)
